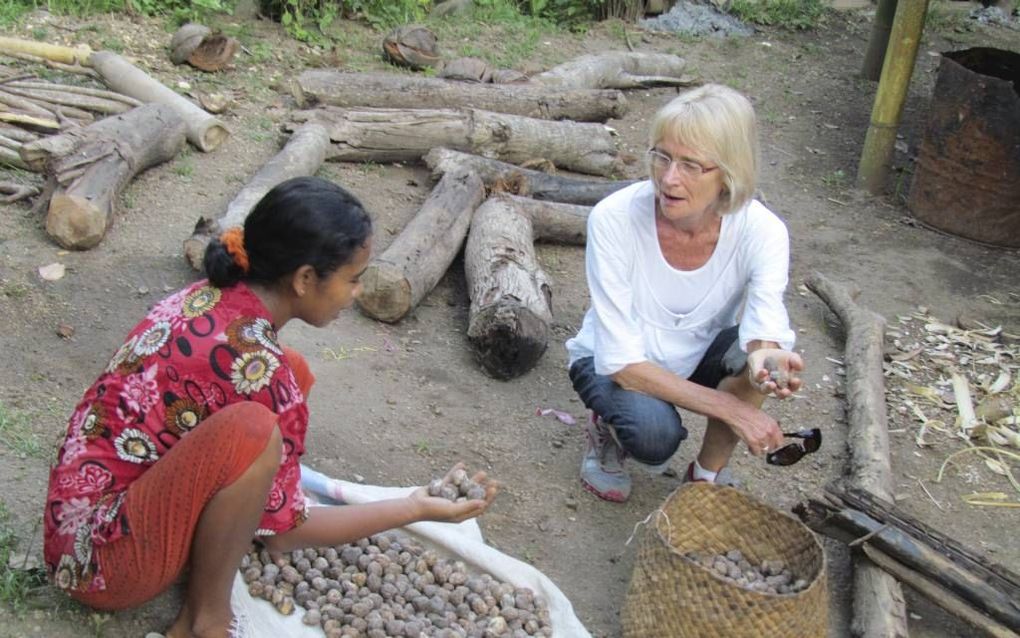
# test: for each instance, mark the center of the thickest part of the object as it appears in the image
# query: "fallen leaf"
(52, 272)
(563, 417)
(65, 331)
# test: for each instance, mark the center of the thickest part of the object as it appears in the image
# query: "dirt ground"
(394, 404)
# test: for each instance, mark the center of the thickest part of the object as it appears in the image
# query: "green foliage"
(16, 584)
(309, 20)
(16, 433)
(180, 11)
(789, 14)
(496, 31)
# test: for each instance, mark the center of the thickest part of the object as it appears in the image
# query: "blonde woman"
(686, 273)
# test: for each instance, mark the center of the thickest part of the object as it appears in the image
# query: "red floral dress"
(197, 351)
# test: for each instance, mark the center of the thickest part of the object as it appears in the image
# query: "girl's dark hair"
(305, 220)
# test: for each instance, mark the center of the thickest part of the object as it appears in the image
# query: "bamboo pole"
(892, 92)
(880, 28)
(53, 52)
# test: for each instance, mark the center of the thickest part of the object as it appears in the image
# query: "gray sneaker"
(602, 471)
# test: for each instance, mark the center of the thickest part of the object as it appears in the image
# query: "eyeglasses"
(790, 454)
(661, 162)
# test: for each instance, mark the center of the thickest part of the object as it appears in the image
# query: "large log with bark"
(523, 181)
(396, 135)
(88, 167)
(554, 222)
(413, 264)
(302, 155)
(511, 296)
(617, 70)
(879, 607)
(388, 90)
(204, 131)
(936, 565)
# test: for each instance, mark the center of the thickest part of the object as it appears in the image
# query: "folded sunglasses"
(810, 441)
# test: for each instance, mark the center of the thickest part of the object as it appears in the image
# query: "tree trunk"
(859, 517)
(511, 300)
(90, 166)
(395, 135)
(523, 181)
(397, 280)
(879, 608)
(554, 222)
(617, 70)
(302, 155)
(204, 131)
(393, 91)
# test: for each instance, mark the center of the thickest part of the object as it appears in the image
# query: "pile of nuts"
(770, 577)
(456, 487)
(392, 586)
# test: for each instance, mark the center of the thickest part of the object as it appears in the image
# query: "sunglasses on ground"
(810, 441)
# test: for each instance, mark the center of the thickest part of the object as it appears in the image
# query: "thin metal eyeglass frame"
(685, 167)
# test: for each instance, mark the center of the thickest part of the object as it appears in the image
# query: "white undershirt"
(643, 309)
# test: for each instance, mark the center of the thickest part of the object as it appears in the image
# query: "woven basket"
(671, 596)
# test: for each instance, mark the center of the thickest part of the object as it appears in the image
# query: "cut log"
(511, 299)
(851, 514)
(389, 90)
(525, 182)
(302, 155)
(879, 607)
(204, 131)
(90, 166)
(617, 70)
(395, 135)
(554, 222)
(409, 269)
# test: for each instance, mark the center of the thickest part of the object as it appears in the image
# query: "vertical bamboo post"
(892, 92)
(879, 41)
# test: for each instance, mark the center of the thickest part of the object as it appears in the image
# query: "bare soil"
(395, 404)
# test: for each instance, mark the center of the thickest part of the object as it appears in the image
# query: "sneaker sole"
(613, 496)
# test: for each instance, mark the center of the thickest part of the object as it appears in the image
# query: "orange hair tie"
(233, 240)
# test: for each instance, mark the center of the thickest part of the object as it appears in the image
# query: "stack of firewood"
(477, 139)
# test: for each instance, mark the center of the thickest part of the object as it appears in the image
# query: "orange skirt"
(164, 505)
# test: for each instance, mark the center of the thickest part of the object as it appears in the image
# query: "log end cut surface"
(508, 339)
(75, 222)
(385, 294)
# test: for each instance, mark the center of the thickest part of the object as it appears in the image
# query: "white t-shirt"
(643, 309)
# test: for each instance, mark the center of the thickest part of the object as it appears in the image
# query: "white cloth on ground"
(643, 309)
(462, 541)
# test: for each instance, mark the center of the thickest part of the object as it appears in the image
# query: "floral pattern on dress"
(177, 367)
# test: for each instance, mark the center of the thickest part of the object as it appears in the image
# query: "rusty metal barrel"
(967, 180)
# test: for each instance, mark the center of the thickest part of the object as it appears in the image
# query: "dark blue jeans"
(650, 429)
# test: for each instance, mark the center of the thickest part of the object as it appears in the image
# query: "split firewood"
(618, 70)
(395, 135)
(522, 181)
(934, 564)
(511, 296)
(16, 192)
(879, 607)
(88, 167)
(410, 267)
(389, 90)
(204, 131)
(302, 155)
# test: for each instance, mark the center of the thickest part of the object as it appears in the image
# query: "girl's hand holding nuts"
(456, 497)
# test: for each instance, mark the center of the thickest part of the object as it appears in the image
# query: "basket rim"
(823, 569)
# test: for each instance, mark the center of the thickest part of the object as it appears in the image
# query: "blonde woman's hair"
(719, 122)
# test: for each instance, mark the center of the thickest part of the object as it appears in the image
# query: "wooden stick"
(77, 100)
(12, 158)
(940, 595)
(36, 123)
(18, 134)
(28, 106)
(66, 68)
(23, 83)
(879, 607)
(617, 70)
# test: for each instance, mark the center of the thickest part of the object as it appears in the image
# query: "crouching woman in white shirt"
(686, 273)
